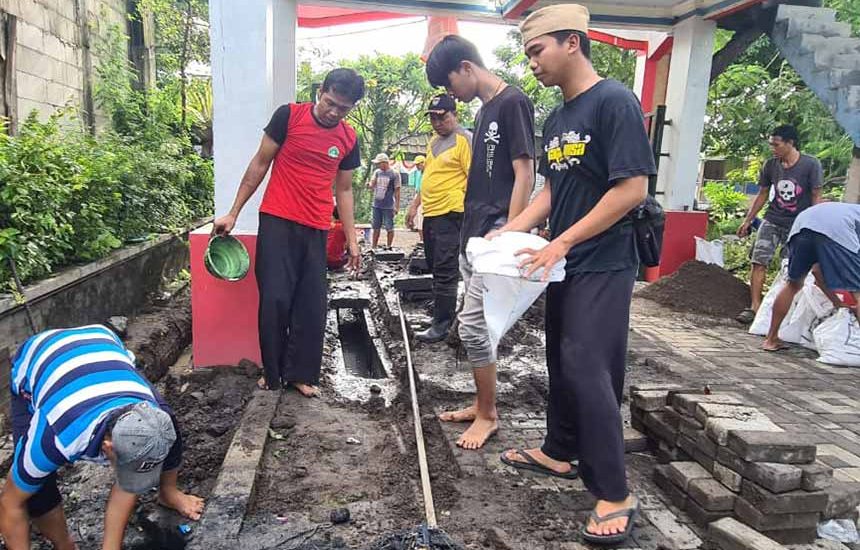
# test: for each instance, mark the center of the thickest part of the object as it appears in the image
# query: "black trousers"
(291, 277)
(441, 247)
(587, 321)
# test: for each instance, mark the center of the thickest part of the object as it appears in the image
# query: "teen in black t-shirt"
(596, 160)
(501, 178)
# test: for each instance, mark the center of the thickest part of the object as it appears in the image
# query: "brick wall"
(50, 58)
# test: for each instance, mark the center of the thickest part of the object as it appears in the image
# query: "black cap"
(442, 103)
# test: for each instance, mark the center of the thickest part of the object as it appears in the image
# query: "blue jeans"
(383, 217)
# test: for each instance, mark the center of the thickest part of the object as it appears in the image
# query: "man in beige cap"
(596, 161)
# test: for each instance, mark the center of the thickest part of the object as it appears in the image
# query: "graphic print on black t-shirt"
(504, 131)
(792, 187)
(590, 143)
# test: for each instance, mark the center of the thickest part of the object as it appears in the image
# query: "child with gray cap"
(596, 162)
(76, 395)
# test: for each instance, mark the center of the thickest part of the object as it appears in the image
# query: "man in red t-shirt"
(307, 146)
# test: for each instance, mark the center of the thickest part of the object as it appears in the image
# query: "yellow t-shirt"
(443, 186)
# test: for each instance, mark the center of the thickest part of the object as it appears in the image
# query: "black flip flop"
(746, 317)
(533, 465)
(629, 513)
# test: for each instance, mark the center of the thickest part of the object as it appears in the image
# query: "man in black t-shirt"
(794, 181)
(501, 178)
(596, 160)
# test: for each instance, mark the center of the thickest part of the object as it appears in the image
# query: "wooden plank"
(10, 78)
(226, 506)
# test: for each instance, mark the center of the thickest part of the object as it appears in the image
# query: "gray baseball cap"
(142, 438)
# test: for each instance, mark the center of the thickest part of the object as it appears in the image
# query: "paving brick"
(783, 503)
(666, 453)
(730, 534)
(759, 521)
(703, 517)
(711, 495)
(634, 441)
(731, 460)
(680, 537)
(842, 498)
(682, 473)
(662, 426)
(729, 478)
(764, 446)
(718, 428)
(775, 477)
(815, 476)
(686, 402)
(686, 444)
(706, 444)
(690, 426)
(649, 400)
(704, 411)
(676, 495)
(793, 536)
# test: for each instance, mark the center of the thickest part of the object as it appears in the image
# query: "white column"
(639, 75)
(686, 99)
(253, 71)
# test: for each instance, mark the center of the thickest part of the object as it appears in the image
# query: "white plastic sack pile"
(809, 310)
(710, 252)
(507, 294)
(761, 323)
(837, 339)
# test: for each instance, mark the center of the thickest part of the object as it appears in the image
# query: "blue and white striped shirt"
(74, 379)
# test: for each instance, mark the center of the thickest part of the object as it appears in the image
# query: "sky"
(394, 37)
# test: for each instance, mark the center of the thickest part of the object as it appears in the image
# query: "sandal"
(629, 513)
(533, 465)
(746, 316)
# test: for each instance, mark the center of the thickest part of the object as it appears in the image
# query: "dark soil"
(700, 288)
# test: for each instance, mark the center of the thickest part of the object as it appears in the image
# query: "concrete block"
(686, 444)
(59, 94)
(718, 428)
(32, 87)
(775, 477)
(686, 402)
(649, 400)
(682, 473)
(351, 295)
(54, 47)
(711, 495)
(422, 283)
(677, 536)
(730, 534)
(791, 502)
(842, 499)
(652, 387)
(31, 36)
(389, 255)
(666, 453)
(731, 460)
(806, 535)
(815, 476)
(767, 446)
(729, 478)
(703, 517)
(704, 411)
(759, 521)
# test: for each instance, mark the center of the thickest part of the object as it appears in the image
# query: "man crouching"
(76, 395)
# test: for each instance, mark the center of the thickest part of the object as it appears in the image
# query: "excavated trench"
(360, 355)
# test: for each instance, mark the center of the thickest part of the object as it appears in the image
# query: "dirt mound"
(700, 288)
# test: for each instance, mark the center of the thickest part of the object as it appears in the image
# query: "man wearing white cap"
(596, 161)
(385, 183)
(76, 395)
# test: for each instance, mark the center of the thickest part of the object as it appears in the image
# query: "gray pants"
(473, 328)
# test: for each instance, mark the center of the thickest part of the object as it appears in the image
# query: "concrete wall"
(120, 284)
(51, 60)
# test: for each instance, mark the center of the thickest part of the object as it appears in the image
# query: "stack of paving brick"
(721, 458)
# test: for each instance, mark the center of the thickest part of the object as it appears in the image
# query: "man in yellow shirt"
(443, 189)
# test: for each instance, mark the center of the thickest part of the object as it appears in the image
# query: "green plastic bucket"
(227, 258)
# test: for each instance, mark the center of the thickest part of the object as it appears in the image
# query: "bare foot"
(612, 526)
(463, 415)
(306, 389)
(187, 505)
(261, 383)
(478, 433)
(539, 456)
(773, 345)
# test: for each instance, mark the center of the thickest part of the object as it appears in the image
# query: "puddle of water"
(360, 355)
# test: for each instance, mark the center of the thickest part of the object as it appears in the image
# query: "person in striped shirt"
(76, 395)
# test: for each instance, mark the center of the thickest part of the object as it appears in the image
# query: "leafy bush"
(725, 201)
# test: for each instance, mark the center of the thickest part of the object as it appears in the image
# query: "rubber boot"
(443, 315)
